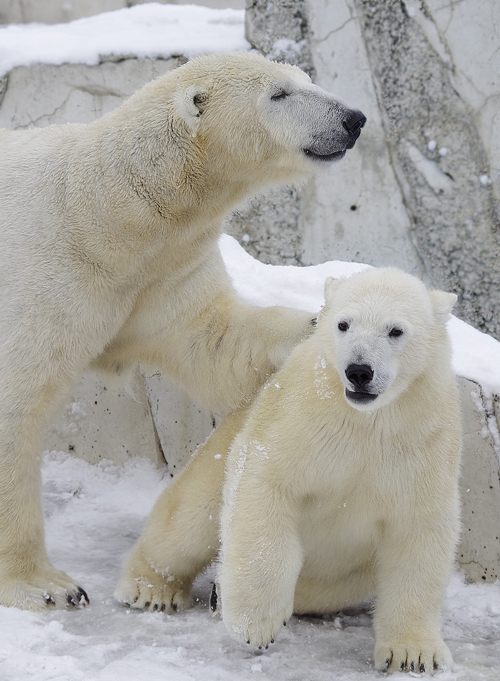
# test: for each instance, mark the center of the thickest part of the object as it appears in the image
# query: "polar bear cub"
(341, 484)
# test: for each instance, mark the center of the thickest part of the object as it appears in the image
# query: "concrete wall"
(374, 207)
(425, 174)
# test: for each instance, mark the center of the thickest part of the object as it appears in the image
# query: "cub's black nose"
(353, 123)
(359, 374)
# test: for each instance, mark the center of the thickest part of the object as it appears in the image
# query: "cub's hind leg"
(181, 536)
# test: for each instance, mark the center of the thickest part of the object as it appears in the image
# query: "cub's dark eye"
(343, 326)
(395, 332)
(279, 95)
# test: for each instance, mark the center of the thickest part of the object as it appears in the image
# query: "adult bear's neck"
(175, 184)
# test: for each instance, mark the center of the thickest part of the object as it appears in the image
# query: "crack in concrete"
(4, 83)
(49, 115)
(335, 30)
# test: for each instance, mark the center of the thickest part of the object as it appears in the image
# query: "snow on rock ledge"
(149, 31)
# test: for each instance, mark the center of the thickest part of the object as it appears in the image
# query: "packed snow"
(150, 30)
(95, 513)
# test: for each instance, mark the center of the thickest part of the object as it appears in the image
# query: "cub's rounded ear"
(190, 102)
(442, 304)
(331, 285)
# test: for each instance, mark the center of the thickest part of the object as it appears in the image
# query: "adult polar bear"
(342, 483)
(109, 256)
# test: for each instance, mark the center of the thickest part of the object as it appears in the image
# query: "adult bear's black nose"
(353, 123)
(359, 375)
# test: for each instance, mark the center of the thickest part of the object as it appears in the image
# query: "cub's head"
(381, 329)
(245, 108)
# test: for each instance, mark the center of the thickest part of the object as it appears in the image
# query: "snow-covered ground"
(95, 513)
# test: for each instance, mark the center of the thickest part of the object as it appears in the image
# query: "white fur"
(324, 504)
(109, 256)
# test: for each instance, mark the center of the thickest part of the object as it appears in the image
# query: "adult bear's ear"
(331, 285)
(190, 102)
(442, 304)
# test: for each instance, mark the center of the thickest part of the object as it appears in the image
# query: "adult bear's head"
(254, 115)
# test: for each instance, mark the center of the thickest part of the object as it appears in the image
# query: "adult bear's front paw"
(413, 655)
(44, 588)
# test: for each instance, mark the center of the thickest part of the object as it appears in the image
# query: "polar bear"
(340, 485)
(109, 257)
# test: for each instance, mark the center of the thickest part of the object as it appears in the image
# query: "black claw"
(284, 623)
(248, 642)
(272, 640)
(147, 604)
(387, 663)
(213, 599)
(136, 599)
(436, 666)
(155, 607)
(314, 321)
(162, 609)
(71, 600)
(422, 668)
(49, 600)
(260, 647)
(412, 666)
(82, 594)
(174, 607)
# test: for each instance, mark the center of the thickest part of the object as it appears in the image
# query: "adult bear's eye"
(343, 326)
(395, 332)
(279, 95)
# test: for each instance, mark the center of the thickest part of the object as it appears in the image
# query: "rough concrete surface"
(106, 419)
(41, 95)
(453, 218)
(416, 191)
(354, 210)
(478, 553)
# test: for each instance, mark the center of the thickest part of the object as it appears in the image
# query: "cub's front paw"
(258, 630)
(413, 655)
(143, 588)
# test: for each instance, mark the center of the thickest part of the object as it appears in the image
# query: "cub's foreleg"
(414, 561)
(261, 551)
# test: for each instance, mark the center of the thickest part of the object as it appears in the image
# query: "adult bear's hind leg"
(27, 579)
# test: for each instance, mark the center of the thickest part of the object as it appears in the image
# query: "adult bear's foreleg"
(197, 331)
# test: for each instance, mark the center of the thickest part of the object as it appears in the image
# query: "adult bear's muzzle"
(332, 143)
